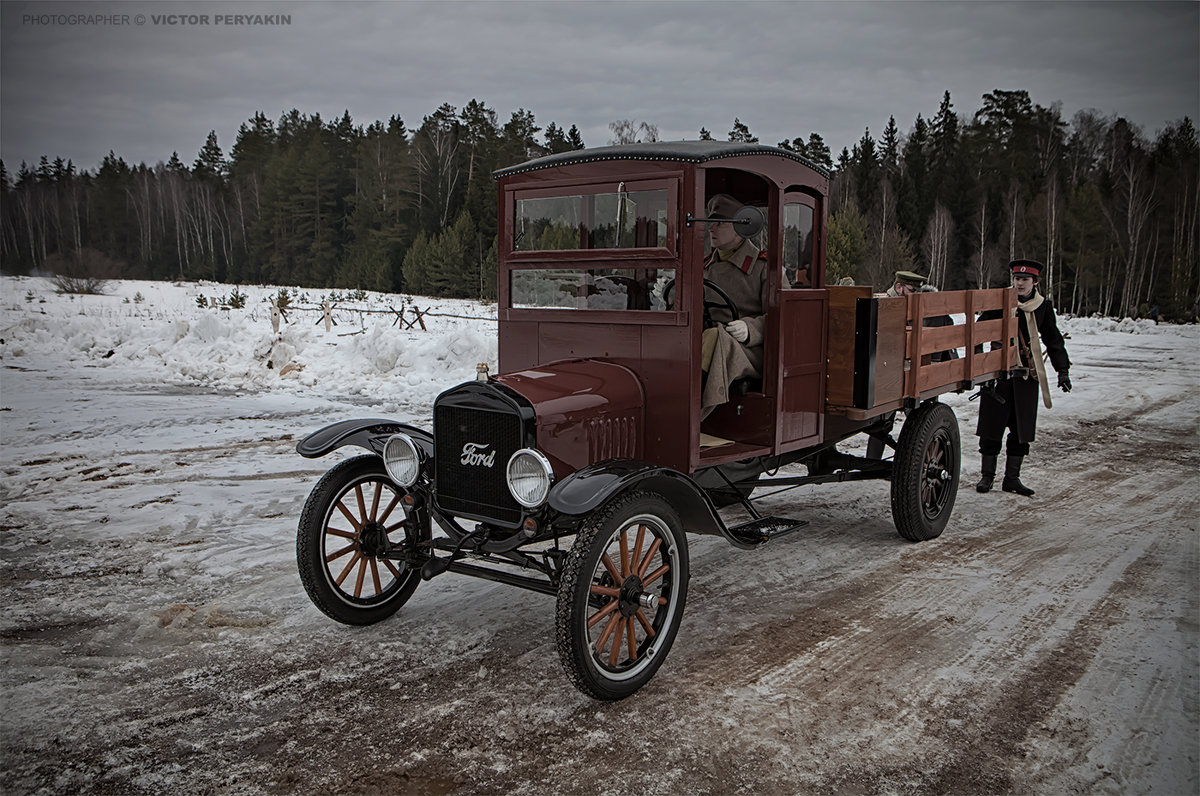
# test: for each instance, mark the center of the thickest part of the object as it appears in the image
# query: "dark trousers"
(991, 447)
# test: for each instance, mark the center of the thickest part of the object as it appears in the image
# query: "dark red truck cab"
(590, 432)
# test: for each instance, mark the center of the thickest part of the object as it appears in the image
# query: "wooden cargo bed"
(884, 352)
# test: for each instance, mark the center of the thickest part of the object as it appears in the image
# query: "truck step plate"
(764, 530)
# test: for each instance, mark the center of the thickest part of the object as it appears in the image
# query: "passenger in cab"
(733, 349)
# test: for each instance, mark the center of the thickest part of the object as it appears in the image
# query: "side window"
(798, 244)
(603, 219)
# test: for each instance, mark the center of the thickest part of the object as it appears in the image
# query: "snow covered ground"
(156, 636)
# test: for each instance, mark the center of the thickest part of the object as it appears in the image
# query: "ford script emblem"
(475, 454)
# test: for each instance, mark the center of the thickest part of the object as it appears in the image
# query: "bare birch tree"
(936, 244)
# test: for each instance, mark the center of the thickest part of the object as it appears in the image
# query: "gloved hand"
(738, 331)
(1064, 381)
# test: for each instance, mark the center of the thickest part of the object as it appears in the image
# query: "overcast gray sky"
(79, 87)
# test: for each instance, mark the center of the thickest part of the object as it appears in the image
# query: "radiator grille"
(473, 447)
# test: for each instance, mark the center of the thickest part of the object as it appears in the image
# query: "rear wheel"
(925, 472)
(353, 515)
(621, 596)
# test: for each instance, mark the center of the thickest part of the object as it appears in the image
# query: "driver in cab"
(732, 349)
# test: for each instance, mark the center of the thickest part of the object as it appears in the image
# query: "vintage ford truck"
(580, 466)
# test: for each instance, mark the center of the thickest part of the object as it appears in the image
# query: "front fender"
(370, 434)
(587, 489)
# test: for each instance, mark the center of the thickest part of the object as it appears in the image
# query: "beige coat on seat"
(742, 274)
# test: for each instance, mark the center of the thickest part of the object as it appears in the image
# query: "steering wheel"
(726, 302)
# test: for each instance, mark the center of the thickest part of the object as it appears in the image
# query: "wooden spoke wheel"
(621, 596)
(925, 472)
(935, 485)
(352, 517)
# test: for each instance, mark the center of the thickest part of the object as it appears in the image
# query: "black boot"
(988, 474)
(1012, 477)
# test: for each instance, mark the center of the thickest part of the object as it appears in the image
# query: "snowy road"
(156, 637)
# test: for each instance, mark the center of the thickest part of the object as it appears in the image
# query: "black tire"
(602, 599)
(925, 472)
(348, 516)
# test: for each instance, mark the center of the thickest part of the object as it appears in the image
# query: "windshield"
(621, 219)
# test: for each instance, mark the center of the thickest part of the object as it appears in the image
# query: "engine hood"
(588, 410)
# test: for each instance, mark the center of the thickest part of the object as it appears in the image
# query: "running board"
(759, 532)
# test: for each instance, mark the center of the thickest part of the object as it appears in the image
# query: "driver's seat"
(745, 385)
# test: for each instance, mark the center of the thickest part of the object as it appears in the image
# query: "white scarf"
(1035, 343)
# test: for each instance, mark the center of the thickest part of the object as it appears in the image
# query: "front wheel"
(925, 472)
(352, 517)
(621, 596)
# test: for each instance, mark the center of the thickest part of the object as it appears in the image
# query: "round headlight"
(529, 476)
(402, 460)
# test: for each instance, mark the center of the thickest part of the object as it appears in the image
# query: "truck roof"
(682, 151)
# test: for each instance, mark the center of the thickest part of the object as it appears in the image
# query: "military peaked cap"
(910, 278)
(723, 205)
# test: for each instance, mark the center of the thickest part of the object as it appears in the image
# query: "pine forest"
(1113, 215)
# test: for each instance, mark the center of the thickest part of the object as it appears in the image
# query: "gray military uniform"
(742, 274)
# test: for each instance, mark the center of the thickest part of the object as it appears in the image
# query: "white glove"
(738, 331)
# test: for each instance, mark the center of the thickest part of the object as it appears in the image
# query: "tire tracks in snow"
(970, 641)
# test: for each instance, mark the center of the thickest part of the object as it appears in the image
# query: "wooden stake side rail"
(876, 387)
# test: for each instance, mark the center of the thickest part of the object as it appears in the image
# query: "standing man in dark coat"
(1014, 402)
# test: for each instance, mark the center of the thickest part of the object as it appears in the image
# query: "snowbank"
(158, 332)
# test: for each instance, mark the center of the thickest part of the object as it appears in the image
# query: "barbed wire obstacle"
(327, 315)
(416, 313)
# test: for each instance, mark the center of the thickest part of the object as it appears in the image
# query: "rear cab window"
(798, 229)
